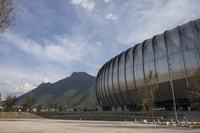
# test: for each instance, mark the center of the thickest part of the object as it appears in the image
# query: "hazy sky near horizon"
(53, 38)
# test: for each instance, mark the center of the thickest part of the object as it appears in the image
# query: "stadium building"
(173, 56)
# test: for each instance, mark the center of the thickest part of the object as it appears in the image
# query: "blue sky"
(53, 38)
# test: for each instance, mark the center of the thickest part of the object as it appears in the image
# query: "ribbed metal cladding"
(173, 55)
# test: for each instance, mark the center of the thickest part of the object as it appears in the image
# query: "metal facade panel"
(129, 70)
(115, 81)
(126, 56)
(97, 90)
(149, 65)
(138, 67)
(191, 52)
(173, 44)
(161, 59)
(118, 79)
(114, 89)
(105, 86)
(122, 79)
(110, 80)
(102, 101)
(130, 76)
(173, 55)
(121, 76)
(107, 89)
(197, 29)
(148, 58)
(159, 97)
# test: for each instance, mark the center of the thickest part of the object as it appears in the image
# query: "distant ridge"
(75, 90)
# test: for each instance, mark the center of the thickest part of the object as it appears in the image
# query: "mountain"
(76, 90)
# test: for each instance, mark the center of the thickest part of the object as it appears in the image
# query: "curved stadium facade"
(173, 56)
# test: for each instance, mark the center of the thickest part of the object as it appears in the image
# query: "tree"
(39, 107)
(146, 95)
(55, 106)
(30, 101)
(60, 108)
(150, 91)
(194, 91)
(9, 103)
(7, 14)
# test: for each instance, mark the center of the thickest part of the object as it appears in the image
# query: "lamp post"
(172, 87)
(0, 98)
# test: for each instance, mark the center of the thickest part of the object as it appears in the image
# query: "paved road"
(78, 126)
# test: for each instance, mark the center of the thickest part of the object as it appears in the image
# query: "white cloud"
(24, 88)
(18, 79)
(46, 80)
(110, 16)
(61, 49)
(106, 1)
(15, 88)
(54, 60)
(87, 4)
(142, 20)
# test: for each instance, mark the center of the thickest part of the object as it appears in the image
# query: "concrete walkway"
(79, 126)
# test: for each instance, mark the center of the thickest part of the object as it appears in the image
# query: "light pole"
(0, 98)
(172, 87)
